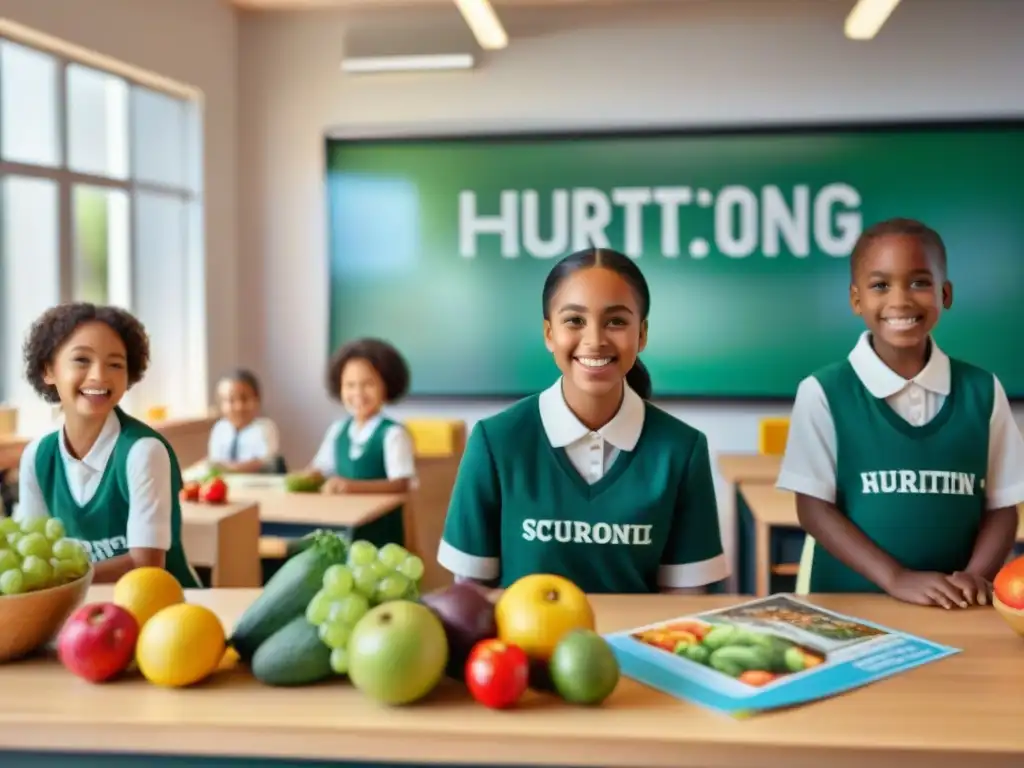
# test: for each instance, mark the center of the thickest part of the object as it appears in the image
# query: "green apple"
(397, 652)
(583, 667)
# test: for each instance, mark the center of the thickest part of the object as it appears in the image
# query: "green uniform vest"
(102, 523)
(918, 492)
(519, 500)
(370, 464)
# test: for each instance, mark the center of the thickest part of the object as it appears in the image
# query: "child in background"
(243, 440)
(588, 480)
(109, 478)
(907, 464)
(366, 452)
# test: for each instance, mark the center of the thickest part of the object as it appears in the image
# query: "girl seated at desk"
(365, 451)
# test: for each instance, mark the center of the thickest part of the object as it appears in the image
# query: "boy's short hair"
(930, 239)
(388, 362)
(56, 325)
(244, 376)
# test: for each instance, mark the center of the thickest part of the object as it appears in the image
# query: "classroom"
(333, 210)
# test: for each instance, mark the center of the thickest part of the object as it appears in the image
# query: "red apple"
(214, 491)
(97, 641)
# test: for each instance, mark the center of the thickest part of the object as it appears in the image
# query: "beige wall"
(756, 61)
(194, 42)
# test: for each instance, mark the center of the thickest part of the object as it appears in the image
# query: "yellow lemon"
(144, 591)
(180, 645)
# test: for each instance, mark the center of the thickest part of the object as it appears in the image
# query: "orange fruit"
(145, 591)
(180, 645)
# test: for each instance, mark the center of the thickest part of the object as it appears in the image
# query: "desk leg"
(238, 551)
(762, 559)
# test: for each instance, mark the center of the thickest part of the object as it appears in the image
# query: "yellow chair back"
(772, 434)
(435, 438)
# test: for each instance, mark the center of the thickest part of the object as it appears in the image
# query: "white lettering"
(633, 201)
(742, 243)
(558, 243)
(848, 224)
(746, 220)
(591, 214)
(581, 532)
(792, 224)
(504, 224)
(529, 530)
(919, 481)
(669, 199)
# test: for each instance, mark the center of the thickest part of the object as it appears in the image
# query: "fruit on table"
(397, 652)
(180, 645)
(370, 577)
(97, 642)
(190, 491)
(144, 591)
(294, 655)
(35, 555)
(536, 611)
(214, 491)
(288, 593)
(583, 667)
(468, 618)
(497, 674)
(303, 482)
(1008, 584)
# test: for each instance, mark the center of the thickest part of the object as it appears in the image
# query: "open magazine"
(774, 652)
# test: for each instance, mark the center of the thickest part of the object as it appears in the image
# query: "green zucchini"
(294, 655)
(287, 593)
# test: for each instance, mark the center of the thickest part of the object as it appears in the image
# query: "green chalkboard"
(441, 245)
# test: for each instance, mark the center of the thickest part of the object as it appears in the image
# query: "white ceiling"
(271, 5)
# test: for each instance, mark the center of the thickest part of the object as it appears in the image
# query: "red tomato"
(214, 492)
(497, 673)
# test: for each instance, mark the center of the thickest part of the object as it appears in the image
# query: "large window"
(100, 200)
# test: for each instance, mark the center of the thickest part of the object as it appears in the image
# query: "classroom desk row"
(231, 540)
(769, 537)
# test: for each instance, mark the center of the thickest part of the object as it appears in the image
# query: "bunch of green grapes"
(34, 555)
(369, 578)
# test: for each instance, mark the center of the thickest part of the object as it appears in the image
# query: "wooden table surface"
(775, 507)
(278, 506)
(754, 467)
(963, 710)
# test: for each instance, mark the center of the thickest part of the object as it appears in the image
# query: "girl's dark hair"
(244, 376)
(383, 356)
(638, 378)
(56, 325)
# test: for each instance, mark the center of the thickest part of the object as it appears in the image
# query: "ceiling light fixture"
(425, 63)
(867, 17)
(484, 22)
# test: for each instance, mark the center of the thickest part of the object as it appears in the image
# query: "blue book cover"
(774, 652)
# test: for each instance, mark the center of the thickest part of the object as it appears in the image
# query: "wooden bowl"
(1012, 616)
(32, 620)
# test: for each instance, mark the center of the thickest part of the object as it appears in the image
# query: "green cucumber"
(294, 655)
(300, 482)
(287, 593)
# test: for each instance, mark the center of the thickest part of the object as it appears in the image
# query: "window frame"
(190, 193)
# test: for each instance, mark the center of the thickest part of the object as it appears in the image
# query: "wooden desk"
(773, 511)
(955, 712)
(11, 447)
(373, 516)
(225, 539)
(737, 468)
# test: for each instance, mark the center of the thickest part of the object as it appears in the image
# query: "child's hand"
(927, 588)
(976, 589)
(333, 485)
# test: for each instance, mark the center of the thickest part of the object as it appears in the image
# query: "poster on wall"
(441, 246)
